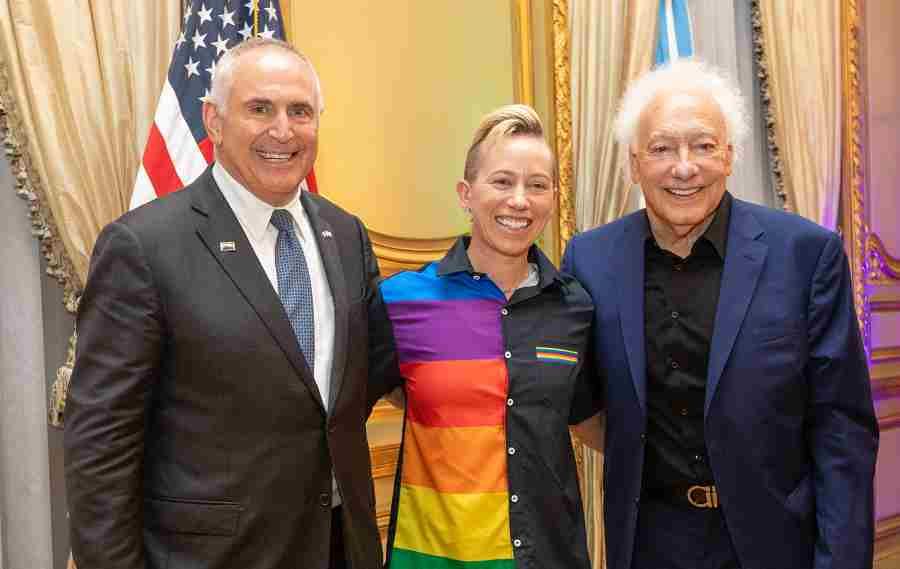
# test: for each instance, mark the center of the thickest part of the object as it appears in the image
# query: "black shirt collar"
(716, 233)
(457, 260)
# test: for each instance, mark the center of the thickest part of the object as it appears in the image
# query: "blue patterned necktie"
(294, 285)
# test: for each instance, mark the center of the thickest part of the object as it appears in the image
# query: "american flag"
(178, 150)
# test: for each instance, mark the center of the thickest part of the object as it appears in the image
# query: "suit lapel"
(629, 262)
(331, 259)
(744, 260)
(217, 224)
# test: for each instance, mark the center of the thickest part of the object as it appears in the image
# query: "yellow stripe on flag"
(465, 527)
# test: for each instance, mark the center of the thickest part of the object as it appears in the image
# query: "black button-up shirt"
(680, 298)
(445, 313)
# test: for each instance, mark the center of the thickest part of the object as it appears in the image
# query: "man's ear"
(729, 158)
(633, 167)
(212, 120)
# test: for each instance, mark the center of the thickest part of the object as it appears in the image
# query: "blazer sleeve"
(384, 370)
(843, 430)
(120, 339)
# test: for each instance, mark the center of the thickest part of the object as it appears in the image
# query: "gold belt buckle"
(710, 497)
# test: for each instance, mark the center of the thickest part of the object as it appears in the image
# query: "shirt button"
(684, 412)
(675, 315)
(697, 458)
(476, 277)
(507, 354)
(510, 402)
(517, 542)
(511, 450)
(504, 312)
(324, 499)
(643, 437)
(674, 364)
(514, 498)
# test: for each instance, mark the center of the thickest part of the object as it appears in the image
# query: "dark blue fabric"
(294, 285)
(669, 536)
(790, 428)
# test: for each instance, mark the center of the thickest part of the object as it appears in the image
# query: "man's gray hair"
(224, 74)
(680, 76)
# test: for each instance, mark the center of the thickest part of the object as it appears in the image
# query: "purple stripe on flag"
(447, 330)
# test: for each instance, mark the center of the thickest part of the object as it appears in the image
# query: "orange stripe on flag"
(456, 393)
(460, 460)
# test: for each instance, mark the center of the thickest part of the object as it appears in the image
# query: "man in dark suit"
(740, 429)
(216, 414)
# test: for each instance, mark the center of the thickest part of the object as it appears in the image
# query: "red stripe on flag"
(311, 182)
(158, 164)
(206, 147)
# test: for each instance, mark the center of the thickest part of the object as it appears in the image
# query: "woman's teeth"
(513, 222)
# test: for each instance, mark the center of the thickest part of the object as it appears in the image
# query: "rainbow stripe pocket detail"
(556, 355)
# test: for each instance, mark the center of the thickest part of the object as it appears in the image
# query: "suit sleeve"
(384, 371)
(588, 397)
(120, 338)
(843, 430)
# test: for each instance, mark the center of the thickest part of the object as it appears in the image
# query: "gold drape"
(612, 43)
(801, 59)
(80, 89)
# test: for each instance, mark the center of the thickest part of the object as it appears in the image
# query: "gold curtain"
(79, 83)
(612, 43)
(800, 49)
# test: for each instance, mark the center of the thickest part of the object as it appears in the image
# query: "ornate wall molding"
(30, 188)
(854, 224)
(562, 95)
(880, 266)
(768, 105)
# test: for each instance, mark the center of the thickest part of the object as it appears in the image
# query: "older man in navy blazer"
(740, 430)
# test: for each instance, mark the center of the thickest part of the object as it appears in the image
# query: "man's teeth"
(275, 155)
(683, 192)
(513, 222)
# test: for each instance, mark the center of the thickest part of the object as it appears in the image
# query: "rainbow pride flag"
(452, 511)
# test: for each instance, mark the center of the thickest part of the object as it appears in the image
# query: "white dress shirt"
(254, 216)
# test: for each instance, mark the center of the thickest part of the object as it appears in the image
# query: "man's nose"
(685, 167)
(280, 128)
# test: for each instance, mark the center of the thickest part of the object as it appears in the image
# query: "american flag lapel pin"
(327, 234)
(227, 247)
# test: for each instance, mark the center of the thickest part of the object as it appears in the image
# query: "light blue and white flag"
(674, 34)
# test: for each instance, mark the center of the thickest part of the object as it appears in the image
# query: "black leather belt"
(696, 496)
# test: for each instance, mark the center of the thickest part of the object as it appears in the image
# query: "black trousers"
(337, 557)
(671, 536)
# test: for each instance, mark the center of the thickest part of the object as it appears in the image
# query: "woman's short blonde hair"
(505, 122)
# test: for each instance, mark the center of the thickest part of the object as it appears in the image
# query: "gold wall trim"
(852, 199)
(562, 96)
(880, 266)
(384, 460)
(887, 540)
(385, 411)
(883, 355)
(523, 46)
(886, 387)
(402, 253)
(889, 422)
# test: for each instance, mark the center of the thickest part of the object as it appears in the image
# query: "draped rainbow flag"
(453, 506)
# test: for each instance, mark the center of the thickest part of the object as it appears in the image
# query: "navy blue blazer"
(790, 427)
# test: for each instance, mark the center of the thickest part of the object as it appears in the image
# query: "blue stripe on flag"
(679, 28)
(683, 28)
(662, 35)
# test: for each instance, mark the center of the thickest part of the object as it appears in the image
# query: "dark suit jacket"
(195, 434)
(789, 423)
